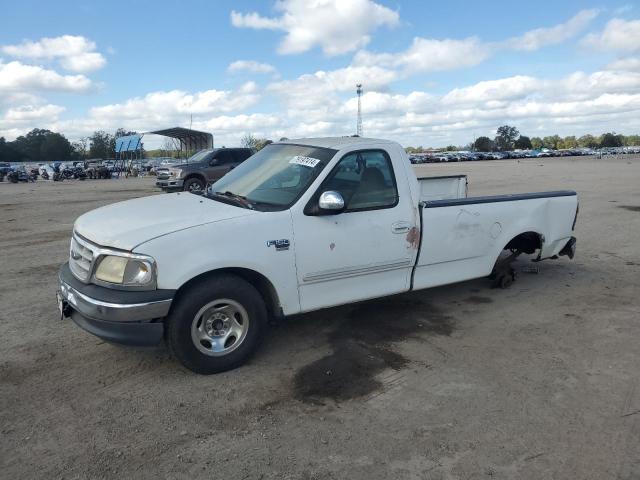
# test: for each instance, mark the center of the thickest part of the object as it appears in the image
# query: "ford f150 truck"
(202, 169)
(302, 225)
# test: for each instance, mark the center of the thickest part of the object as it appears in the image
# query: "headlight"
(126, 271)
(177, 173)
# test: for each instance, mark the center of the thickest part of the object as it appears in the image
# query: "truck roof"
(335, 142)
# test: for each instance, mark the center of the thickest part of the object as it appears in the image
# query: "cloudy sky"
(434, 73)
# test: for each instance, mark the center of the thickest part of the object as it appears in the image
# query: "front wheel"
(193, 185)
(216, 324)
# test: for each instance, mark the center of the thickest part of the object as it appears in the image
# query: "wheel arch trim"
(260, 282)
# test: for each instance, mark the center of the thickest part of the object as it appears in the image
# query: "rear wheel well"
(259, 282)
(527, 242)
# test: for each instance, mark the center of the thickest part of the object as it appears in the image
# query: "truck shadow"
(363, 339)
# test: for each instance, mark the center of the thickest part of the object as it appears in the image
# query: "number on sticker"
(304, 161)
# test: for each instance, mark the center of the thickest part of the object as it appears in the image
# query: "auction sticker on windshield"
(304, 161)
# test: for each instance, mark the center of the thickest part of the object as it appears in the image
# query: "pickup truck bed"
(473, 231)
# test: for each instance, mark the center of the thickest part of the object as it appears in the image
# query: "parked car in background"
(95, 169)
(202, 169)
(5, 168)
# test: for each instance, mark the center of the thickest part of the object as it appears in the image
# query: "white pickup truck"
(301, 225)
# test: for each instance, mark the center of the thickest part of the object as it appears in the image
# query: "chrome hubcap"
(219, 327)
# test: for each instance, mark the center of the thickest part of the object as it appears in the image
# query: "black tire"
(193, 185)
(181, 320)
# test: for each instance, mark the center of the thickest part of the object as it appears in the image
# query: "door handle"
(401, 227)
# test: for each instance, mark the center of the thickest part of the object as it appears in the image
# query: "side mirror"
(332, 201)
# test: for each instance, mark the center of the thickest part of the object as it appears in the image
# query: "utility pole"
(359, 124)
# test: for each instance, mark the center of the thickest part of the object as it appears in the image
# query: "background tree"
(8, 152)
(611, 140)
(81, 148)
(255, 143)
(536, 143)
(248, 141)
(414, 149)
(523, 143)
(569, 142)
(483, 144)
(41, 145)
(506, 136)
(102, 145)
(551, 141)
(262, 142)
(56, 147)
(588, 141)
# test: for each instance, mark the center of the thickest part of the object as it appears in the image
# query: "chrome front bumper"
(170, 183)
(119, 316)
(113, 312)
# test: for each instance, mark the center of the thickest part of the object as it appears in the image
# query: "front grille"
(80, 258)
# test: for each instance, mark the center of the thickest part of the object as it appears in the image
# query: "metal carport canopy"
(190, 140)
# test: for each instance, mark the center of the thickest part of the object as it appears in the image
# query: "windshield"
(275, 177)
(199, 157)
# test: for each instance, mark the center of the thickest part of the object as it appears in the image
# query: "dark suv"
(202, 169)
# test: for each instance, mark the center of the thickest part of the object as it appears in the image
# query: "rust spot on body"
(413, 237)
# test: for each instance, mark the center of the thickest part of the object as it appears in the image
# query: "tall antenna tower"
(359, 124)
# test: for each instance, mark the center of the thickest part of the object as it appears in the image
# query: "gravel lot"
(539, 381)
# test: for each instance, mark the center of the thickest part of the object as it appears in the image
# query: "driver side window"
(365, 180)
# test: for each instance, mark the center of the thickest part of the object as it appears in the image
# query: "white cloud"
(176, 105)
(493, 90)
(618, 34)
(431, 55)
(250, 66)
(75, 53)
(321, 104)
(31, 113)
(428, 55)
(337, 26)
(18, 77)
(19, 120)
(381, 103)
(255, 122)
(256, 21)
(540, 37)
(631, 64)
(575, 104)
(84, 62)
(316, 97)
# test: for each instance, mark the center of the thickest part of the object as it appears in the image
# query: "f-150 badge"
(282, 244)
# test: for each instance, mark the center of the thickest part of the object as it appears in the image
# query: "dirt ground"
(539, 381)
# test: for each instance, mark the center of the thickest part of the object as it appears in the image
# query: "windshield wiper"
(242, 201)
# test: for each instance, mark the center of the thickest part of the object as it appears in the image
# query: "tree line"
(508, 138)
(44, 146)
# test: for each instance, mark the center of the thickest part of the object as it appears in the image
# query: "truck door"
(368, 249)
(221, 163)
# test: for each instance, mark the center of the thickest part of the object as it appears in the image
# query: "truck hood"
(127, 224)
